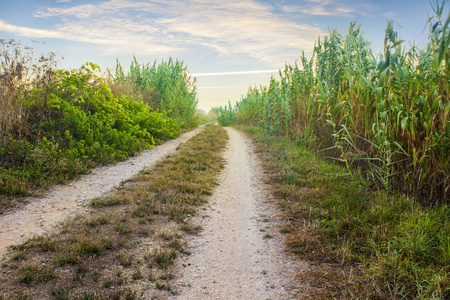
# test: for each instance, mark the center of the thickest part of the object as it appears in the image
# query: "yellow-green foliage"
(388, 115)
(56, 124)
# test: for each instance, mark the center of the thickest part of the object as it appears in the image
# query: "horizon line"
(235, 73)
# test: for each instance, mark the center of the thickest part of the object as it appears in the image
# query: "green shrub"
(69, 121)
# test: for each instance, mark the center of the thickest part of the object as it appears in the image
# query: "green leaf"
(338, 108)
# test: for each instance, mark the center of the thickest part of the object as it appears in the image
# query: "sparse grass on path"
(361, 244)
(128, 242)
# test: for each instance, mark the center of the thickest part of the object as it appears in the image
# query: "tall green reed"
(386, 114)
(175, 89)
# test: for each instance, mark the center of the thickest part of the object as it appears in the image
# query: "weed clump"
(165, 258)
(32, 272)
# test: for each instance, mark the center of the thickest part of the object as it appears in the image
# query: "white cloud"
(112, 45)
(234, 29)
(337, 8)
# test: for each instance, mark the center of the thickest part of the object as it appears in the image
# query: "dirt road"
(239, 254)
(63, 201)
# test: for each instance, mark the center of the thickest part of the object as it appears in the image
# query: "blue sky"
(227, 44)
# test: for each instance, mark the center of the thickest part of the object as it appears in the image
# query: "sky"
(227, 45)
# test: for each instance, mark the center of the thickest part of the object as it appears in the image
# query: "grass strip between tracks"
(129, 240)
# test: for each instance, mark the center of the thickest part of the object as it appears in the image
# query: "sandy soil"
(63, 201)
(231, 258)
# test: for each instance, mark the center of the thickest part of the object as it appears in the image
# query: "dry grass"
(128, 242)
(19, 71)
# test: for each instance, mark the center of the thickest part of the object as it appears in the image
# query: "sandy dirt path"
(231, 258)
(63, 201)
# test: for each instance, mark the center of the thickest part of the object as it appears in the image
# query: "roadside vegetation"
(127, 244)
(360, 243)
(357, 147)
(56, 124)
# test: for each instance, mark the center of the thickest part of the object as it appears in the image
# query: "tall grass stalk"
(174, 87)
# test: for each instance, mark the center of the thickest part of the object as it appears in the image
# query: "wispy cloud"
(96, 36)
(234, 29)
(336, 8)
(30, 32)
(390, 15)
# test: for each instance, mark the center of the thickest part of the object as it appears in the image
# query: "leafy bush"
(65, 121)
